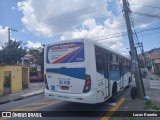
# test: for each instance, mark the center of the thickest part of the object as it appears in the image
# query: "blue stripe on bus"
(72, 72)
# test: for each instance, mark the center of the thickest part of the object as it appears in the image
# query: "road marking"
(3, 118)
(32, 107)
(109, 114)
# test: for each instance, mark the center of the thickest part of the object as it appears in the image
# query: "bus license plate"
(64, 88)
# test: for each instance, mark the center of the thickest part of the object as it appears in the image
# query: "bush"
(151, 105)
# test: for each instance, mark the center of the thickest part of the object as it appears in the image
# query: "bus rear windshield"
(65, 53)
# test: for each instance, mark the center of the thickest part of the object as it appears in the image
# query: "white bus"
(84, 71)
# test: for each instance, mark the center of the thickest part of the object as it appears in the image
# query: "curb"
(7, 101)
(20, 98)
(33, 95)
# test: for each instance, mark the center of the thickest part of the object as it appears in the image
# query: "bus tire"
(114, 91)
(129, 81)
(133, 93)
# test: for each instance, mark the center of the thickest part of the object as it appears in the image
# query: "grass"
(149, 104)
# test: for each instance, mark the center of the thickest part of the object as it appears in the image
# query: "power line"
(148, 15)
(148, 34)
(145, 6)
(111, 34)
(132, 21)
(112, 37)
(144, 20)
(150, 29)
(68, 16)
(78, 12)
(139, 45)
(99, 6)
(100, 38)
(115, 35)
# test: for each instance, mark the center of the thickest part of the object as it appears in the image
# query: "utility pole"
(135, 66)
(9, 33)
(140, 45)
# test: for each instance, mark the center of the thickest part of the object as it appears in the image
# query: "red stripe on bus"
(64, 57)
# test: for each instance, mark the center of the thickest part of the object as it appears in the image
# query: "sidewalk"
(153, 76)
(34, 89)
(140, 105)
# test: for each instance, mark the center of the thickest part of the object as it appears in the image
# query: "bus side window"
(99, 63)
(126, 65)
(114, 67)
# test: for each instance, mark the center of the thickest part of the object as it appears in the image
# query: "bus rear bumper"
(89, 97)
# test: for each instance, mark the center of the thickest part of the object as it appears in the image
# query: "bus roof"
(110, 49)
(91, 41)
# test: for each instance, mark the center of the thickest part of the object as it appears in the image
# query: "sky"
(46, 21)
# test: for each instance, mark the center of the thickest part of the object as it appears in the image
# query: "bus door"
(106, 74)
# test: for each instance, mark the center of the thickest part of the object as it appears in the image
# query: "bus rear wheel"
(134, 93)
(114, 91)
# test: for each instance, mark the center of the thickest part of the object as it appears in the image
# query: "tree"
(141, 63)
(38, 54)
(11, 52)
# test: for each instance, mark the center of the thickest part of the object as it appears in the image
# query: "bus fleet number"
(64, 82)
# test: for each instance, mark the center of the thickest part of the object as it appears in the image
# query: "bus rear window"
(65, 53)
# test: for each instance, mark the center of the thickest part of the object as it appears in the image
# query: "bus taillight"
(87, 85)
(45, 81)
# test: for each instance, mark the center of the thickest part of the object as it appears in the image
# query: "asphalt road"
(149, 84)
(39, 103)
(155, 84)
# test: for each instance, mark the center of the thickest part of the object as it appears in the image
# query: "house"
(152, 59)
(13, 79)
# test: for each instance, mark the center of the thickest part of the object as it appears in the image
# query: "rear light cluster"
(45, 81)
(87, 85)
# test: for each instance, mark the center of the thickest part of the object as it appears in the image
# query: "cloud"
(140, 6)
(47, 18)
(31, 44)
(24, 31)
(3, 35)
(100, 33)
(77, 18)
